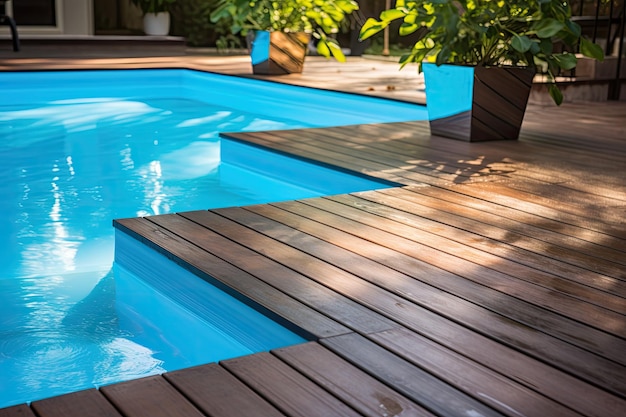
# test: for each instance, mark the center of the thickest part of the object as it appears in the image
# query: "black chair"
(9, 21)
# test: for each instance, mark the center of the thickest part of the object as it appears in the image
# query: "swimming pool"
(78, 149)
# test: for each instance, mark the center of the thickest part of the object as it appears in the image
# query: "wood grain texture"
(21, 410)
(290, 391)
(368, 266)
(410, 380)
(577, 395)
(82, 403)
(410, 313)
(218, 393)
(149, 397)
(361, 391)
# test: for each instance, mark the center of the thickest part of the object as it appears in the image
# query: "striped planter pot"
(276, 53)
(476, 103)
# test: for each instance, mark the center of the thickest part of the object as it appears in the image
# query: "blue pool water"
(80, 149)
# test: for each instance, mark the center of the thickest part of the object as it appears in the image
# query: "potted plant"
(493, 46)
(156, 15)
(282, 29)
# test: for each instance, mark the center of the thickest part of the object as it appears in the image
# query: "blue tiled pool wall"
(311, 106)
(243, 324)
(293, 172)
(317, 107)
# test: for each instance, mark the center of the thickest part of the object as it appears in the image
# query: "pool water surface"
(80, 149)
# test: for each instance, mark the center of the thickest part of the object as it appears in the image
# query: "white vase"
(156, 23)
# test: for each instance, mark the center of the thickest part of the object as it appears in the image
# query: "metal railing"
(8, 20)
(604, 19)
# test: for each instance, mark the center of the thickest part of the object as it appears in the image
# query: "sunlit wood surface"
(491, 281)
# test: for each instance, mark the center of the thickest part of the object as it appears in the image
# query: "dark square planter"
(277, 53)
(476, 103)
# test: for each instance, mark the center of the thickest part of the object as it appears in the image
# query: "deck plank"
(349, 162)
(410, 380)
(149, 397)
(525, 235)
(500, 194)
(77, 404)
(340, 308)
(340, 145)
(601, 244)
(362, 392)
(596, 211)
(597, 369)
(218, 393)
(529, 250)
(496, 251)
(579, 396)
(290, 391)
(21, 410)
(329, 229)
(497, 391)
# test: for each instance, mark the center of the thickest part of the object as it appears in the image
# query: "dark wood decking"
(491, 282)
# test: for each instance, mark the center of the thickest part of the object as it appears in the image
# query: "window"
(35, 12)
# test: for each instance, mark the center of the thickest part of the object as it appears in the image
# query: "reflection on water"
(57, 342)
(68, 169)
(75, 165)
(95, 314)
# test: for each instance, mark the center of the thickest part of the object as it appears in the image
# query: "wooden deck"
(491, 282)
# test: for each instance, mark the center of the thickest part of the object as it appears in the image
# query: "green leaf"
(392, 14)
(591, 50)
(371, 27)
(452, 24)
(224, 11)
(407, 29)
(556, 94)
(553, 64)
(323, 48)
(490, 32)
(521, 43)
(410, 18)
(443, 56)
(534, 48)
(546, 46)
(336, 51)
(546, 28)
(565, 60)
(540, 64)
(425, 43)
(574, 28)
(406, 59)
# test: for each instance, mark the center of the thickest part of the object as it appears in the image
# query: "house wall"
(78, 17)
(74, 17)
